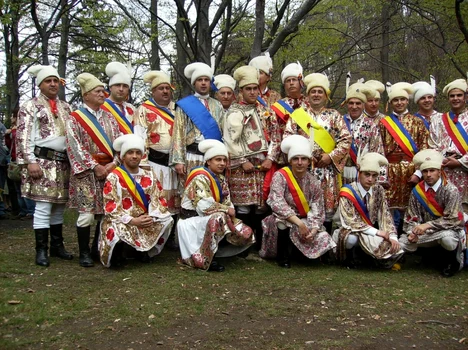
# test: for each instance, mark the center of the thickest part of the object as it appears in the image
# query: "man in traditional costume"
(41, 151)
(449, 136)
(372, 106)
(296, 199)
(116, 104)
(225, 86)
(403, 135)
(424, 97)
(434, 214)
(365, 218)
(264, 64)
(332, 140)
(364, 132)
(197, 117)
(252, 138)
(208, 215)
(135, 210)
(90, 133)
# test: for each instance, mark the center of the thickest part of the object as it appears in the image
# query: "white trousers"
(47, 214)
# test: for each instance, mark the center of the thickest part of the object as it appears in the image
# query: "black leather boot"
(83, 243)
(42, 238)
(95, 246)
(451, 263)
(56, 243)
(328, 227)
(283, 249)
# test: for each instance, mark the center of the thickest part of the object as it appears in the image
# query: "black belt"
(193, 148)
(158, 157)
(50, 154)
(186, 213)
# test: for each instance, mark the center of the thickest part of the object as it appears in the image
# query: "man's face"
(132, 158)
(317, 97)
(431, 176)
(292, 86)
(217, 164)
(263, 78)
(299, 165)
(457, 100)
(355, 108)
(372, 105)
(367, 179)
(250, 93)
(50, 87)
(399, 104)
(426, 104)
(95, 97)
(226, 96)
(162, 94)
(202, 85)
(119, 92)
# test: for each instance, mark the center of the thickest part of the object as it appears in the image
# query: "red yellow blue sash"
(456, 132)
(261, 101)
(427, 200)
(215, 185)
(94, 130)
(164, 113)
(298, 195)
(124, 125)
(282, 110)
(400, 135)
(426, 123)
(348, 192)
(135, 189)
(352, 150)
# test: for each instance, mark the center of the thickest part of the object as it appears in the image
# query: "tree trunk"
(384, 53)
(182, 58)
(203, 31)
(63, 48)
(259, 28)
(155, 61)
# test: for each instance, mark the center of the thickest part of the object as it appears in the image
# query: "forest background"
(391, 41)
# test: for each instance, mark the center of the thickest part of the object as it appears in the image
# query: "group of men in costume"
(225, 173)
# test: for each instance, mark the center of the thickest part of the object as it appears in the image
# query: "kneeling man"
(434, 215)
(207, 214)
(365, 217)
(136, 214)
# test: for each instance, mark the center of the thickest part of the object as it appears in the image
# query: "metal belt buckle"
(50, 154)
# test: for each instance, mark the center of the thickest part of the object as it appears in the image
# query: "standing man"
(225, 94)
(371, 107)
(41, 151)
(90, 133)
(116, 104)
(4, 155)
(424, 97)
(197, 117)
(264, 64)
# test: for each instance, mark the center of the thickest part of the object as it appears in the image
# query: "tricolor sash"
(426, 123)
(352, 150)
(215, 185)
(91, 125)
(348, 191)
(135, 189)
(161, 111)
(456, 132)
(124, 125)
(400, 135)
(282, 110)
(427, 200)
(298, 195)
(201, 117)
(262, 101)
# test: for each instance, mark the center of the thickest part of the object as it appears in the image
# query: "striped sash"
(427, 200)
(348, 191)
(135, 189)
(215, 185)
(298, 195)
(282, 110)
(352, 150)
(400, 135)
(124, 125)
(426, 123)
(456, 132)
(164, 113)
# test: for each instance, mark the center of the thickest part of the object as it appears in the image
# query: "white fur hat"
(118, 74)
(88, 82)
(246, 75)
(127, 142)
(212, 148)
(291, 70)
(296, 145)
(224, 81)
(263, 63)
(421, 88)
(360, 91)
(372, 161)
(378, 87)
(42, 72)
(156, 77)
(401, 89)
(428, 159)
(193, 71)
(317, 80)
(456, 84)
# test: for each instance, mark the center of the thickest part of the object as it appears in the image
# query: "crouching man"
(365, 218)
(434, 215)
(135, 213)
(207, 214)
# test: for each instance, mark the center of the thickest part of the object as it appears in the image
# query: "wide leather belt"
(193, 148)
(102, 158)
(398, 157)
(158, 157)
(50, 154)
